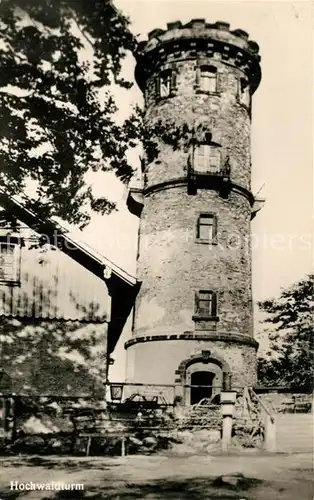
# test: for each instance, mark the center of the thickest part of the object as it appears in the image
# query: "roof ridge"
(66, 234)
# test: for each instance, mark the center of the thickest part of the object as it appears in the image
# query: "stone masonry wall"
(173, 265)
(147, 359)
(221, 114)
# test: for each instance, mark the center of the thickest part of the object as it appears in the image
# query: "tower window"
(244, 94)
(208, 79)
(9, 262)
(207, 158)
(207, 228)
(206, 304)
(166, 83)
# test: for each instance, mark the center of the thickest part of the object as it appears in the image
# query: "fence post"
(123, 447)
(227, 399)
(270, 434)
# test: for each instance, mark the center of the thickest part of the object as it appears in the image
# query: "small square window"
(206, 304)
(207, 228)
(9, 262)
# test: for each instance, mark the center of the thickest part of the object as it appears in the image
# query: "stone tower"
(193, 318)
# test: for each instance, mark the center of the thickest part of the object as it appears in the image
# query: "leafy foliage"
(58, 59)
(290, 361)
(154, 134)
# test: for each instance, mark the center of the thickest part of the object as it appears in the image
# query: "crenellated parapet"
(196, 40)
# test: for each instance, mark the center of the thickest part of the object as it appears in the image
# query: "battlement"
(198, 37)
(199, 28)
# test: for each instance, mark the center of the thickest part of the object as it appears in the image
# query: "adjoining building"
(62, 308)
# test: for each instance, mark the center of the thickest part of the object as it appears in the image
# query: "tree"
(290, 360)
(58, 61)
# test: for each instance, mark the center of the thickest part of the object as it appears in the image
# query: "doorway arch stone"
(203, 363)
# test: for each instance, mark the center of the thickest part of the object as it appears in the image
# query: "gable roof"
(121, 285)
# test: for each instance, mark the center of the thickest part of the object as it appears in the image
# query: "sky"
(282, 138)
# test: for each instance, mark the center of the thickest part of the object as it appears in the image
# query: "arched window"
(208, 78)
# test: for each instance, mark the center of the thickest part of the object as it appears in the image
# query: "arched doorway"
(204, 379)
(202, 369)
(199, 373)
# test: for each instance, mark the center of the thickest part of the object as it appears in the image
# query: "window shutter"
(191, 177)
(214, 227)
(198, 76)
(174, 79)
(10, 261)
(157, 87)
(198, 230)
(197, 303)
(219, 81)
(214, 304)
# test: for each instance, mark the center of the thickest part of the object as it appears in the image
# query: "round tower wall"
(167, 359)
(221, 113)
(174, 265)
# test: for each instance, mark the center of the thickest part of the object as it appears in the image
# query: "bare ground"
(272, 477)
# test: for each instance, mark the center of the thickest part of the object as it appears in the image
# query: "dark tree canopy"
(54, 129)
(290, 361)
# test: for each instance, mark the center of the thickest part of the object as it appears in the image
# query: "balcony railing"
(214, 177)
(208, 171)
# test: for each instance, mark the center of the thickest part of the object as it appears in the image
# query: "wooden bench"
(90, 436)
(90, 423)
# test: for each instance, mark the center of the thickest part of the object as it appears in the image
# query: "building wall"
(158, 362)
(53, 322)
(168, 355)
(53, 286)
(53, 357)
(173, 265)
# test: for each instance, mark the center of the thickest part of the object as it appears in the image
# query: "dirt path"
(279, 477)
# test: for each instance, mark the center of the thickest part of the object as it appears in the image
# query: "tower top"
(195, 39)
